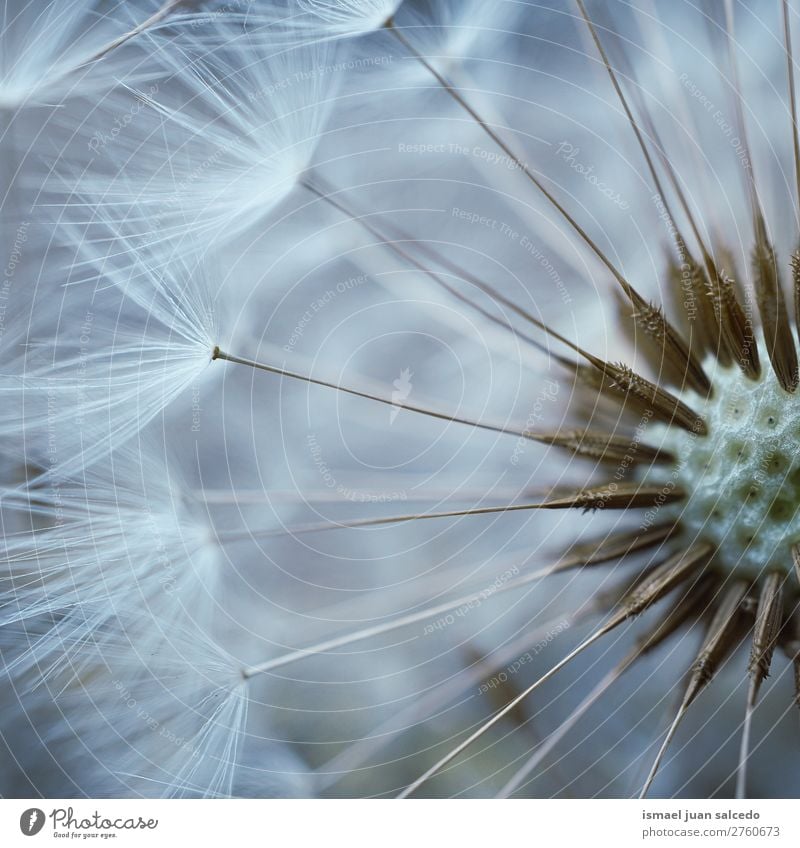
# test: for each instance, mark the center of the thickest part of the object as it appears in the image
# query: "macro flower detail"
(348, 17)
(399, 398)
(48, 49)
(742, 478)
(239, 136)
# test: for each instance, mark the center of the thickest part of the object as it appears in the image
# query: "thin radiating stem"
(623, 497)
(692, 603)
(363, 495)
(397, 404)
(719, 641)
(161, 14)
(395, 246)
(669, 408)
(157, 17)
(672, 345)
(614, 548)
(692, 366)
(554, 738)
(439, 696)
(787, 35)
(389, 626)
(769, 618)
(498, 140)
(451, 755)
(591, 444)
(652, 588)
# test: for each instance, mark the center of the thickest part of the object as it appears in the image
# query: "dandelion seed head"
(453, 29)
(137, 325)
(165, 717)
(223, 152)
(121, 536)
(743, 478)
(46, 48)
(113, 611)
(350, 17)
